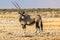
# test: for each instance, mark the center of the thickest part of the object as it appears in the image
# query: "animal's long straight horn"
(18, 6)
(14, 4)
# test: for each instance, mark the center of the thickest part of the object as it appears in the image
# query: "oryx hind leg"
(41, 25)
(37, 28)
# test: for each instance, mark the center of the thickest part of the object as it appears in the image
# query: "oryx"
(26, 19)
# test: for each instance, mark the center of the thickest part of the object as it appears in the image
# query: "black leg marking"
(24, 28)
(41, 26)
(37, 27)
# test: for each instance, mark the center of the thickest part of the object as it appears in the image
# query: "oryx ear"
(23, 12)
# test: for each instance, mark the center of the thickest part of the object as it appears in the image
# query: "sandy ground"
(10, 29)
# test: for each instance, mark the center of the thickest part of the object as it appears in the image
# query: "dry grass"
(10, 29)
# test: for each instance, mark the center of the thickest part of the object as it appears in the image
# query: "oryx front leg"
(24, 29)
